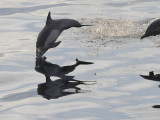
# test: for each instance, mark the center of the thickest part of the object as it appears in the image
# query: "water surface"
(113, 44)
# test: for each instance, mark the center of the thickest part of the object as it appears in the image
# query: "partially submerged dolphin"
(49, 34)
(153, 29)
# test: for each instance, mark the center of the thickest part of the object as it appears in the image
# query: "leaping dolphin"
(49, 34)
(153, 29)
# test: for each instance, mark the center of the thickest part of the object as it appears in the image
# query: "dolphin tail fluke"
(83, 62)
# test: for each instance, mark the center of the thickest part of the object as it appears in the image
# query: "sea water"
(112, 43)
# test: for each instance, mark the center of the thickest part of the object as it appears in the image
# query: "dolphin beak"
(86, 25)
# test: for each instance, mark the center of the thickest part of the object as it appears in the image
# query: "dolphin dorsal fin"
(49, 19)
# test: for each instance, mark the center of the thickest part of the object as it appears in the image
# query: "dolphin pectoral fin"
(51, 45)
(54, 44)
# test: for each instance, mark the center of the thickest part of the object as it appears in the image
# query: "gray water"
(112, 43)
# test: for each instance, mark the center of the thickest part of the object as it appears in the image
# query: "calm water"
(113, 44)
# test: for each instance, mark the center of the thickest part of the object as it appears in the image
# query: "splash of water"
(112, 32)
(115, 28)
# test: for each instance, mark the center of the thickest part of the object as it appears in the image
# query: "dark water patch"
(11, 52)
(19, 96)
(4, 53)
(1, 55)
(10, 11)
(130, 3)
(16, 88)
(27, 3)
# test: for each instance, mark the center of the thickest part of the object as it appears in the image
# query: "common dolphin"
(49, 34)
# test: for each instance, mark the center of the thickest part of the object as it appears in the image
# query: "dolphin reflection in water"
(152, 76)
(49, 34)
(66, 85)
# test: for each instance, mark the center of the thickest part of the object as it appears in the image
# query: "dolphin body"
(49, 34)
(153, 29)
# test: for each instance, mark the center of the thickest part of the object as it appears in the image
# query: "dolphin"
(153, 29)
(51, 31)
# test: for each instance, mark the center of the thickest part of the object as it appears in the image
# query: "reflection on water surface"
(67, 85)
